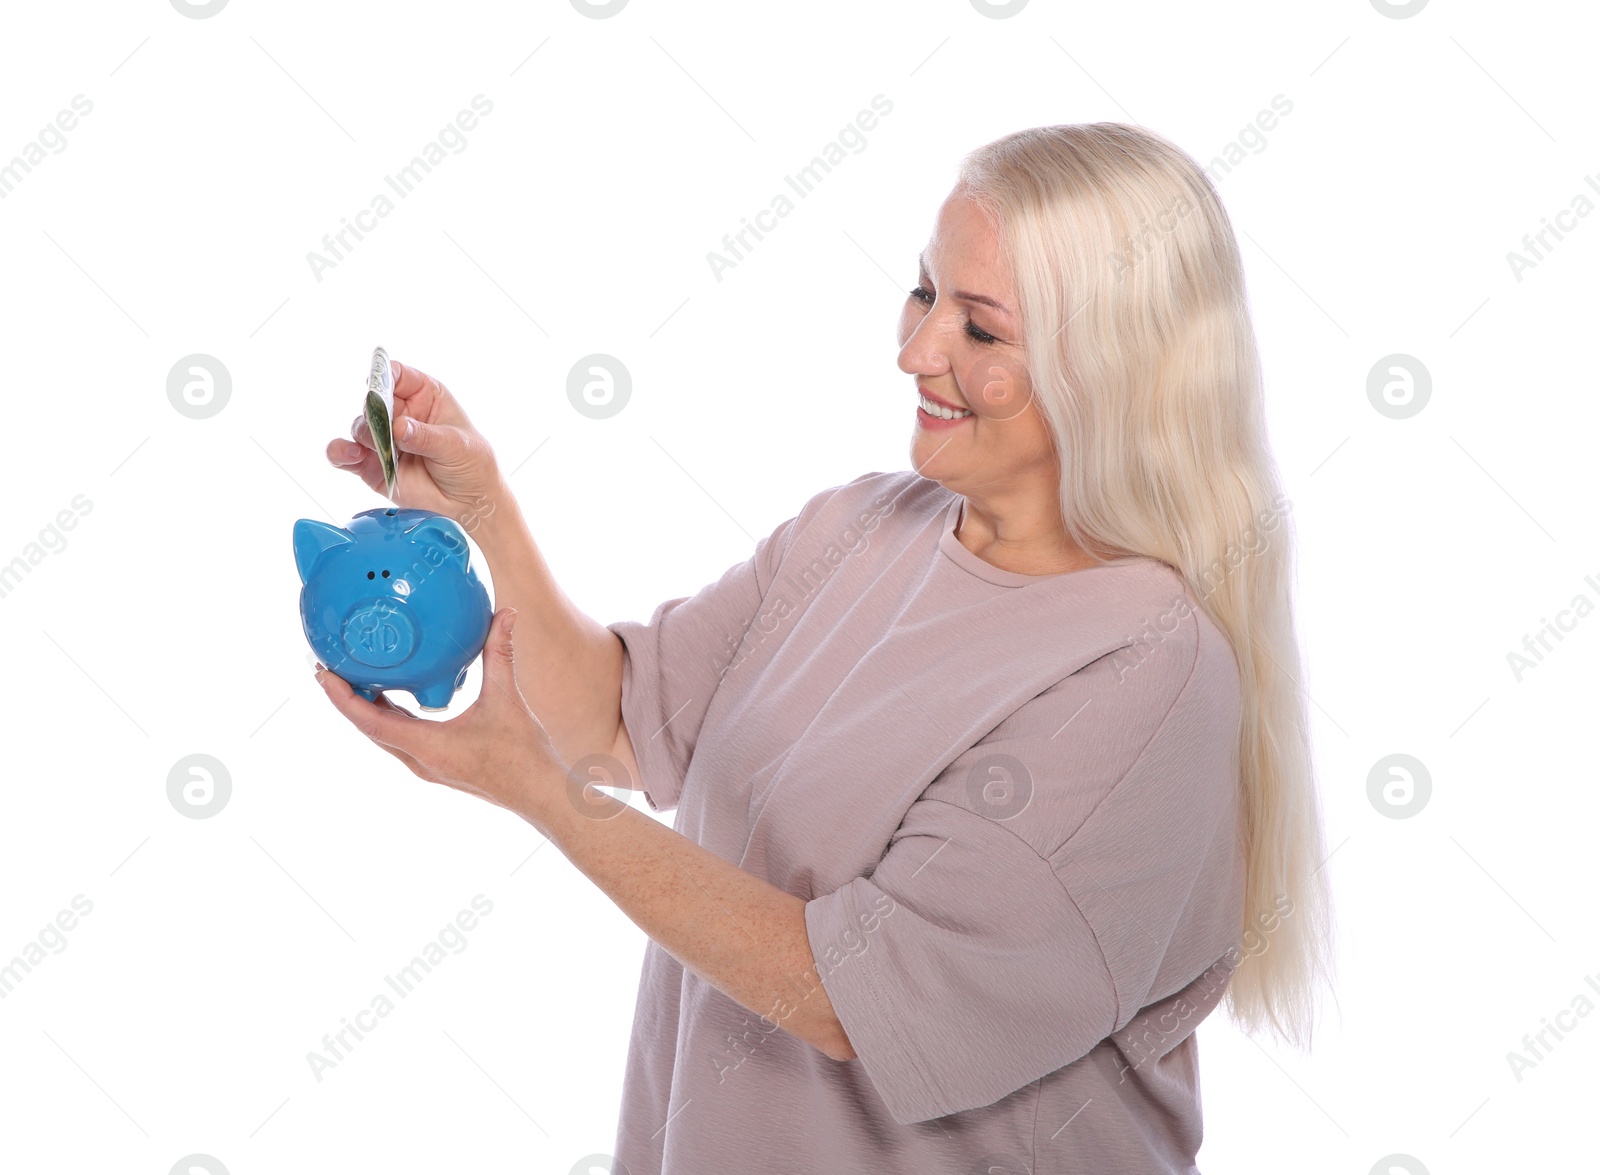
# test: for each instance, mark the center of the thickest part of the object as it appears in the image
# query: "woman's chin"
(931, 455)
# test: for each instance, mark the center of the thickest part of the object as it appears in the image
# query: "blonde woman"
(991, 777)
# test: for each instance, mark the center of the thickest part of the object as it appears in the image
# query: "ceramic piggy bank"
(392, 602)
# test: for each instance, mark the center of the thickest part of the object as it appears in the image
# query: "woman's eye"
(974, 332)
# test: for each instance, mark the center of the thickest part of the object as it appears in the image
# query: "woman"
(991, 778)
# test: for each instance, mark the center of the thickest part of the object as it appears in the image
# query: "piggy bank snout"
(379, 633)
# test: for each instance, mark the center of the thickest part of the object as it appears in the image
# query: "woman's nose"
(922, 351)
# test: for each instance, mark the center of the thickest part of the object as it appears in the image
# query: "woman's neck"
(1024, 535)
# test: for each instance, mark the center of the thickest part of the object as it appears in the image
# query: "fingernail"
(405, 430)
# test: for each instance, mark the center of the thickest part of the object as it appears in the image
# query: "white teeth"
(939, 410)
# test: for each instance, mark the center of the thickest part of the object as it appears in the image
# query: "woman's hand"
(496, 749)
(443, 463)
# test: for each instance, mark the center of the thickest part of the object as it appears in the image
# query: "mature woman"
(991, 778)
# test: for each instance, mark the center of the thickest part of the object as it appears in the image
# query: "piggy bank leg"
(434, 697)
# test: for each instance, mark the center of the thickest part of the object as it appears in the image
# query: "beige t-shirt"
(1011, 804)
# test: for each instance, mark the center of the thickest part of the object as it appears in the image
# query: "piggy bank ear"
(311, 538)
(445, 536)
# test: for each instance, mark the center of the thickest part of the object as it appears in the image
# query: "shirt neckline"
(982, 569)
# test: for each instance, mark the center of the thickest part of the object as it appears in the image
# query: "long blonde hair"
(1143, 360)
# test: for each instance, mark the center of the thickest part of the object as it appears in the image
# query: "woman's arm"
(570, 670)
(742, 935)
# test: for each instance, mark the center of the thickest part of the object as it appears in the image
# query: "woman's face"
(961, 338)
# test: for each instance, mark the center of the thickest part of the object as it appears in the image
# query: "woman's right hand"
(443, 463)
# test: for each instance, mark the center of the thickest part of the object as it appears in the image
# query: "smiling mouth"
(941, 411)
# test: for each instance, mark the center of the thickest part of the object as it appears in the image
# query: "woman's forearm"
(744, 936)
(570, 667)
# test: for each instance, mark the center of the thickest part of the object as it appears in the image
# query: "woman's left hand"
(496, 749)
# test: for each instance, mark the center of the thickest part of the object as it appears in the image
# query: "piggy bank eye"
(385, 575)
(369, 575)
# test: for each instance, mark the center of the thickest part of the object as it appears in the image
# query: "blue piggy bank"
(392, 602)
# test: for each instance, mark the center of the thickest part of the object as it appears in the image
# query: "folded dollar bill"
(380, 415)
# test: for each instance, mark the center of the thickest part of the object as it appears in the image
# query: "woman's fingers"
(345, 452)
(425, 397)
(380, 720)
(383, 703)
(362, 714)
(433, 433)
(409, 382)
(361, 461)
(439, 442)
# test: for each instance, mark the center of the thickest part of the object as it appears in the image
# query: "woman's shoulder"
(1175, 664)
(1143, 644)
(872, 500)
(894, 489)
(1162, 611)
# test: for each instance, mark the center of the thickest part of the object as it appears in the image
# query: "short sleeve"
(1046, 886)
(978, 973)
(673, 663)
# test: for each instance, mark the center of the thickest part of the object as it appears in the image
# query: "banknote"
(379, 410)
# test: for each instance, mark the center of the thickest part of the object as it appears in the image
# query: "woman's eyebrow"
(964, 296)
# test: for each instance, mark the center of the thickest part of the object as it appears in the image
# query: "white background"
(177, 219)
